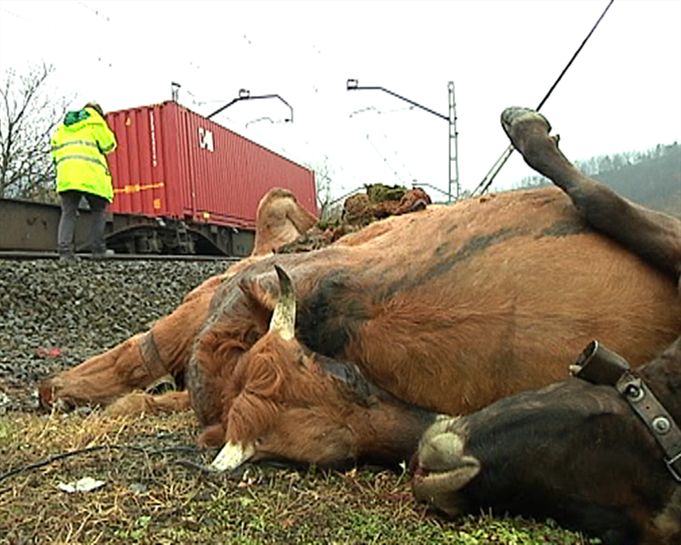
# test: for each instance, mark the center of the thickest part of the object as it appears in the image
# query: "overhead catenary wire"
(95, 11)
(399, 179)
(382, 156)
(398, 158)
(492, 173)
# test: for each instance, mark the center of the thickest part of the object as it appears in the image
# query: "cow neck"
(602, 366)
(151, 358)
(388, 430)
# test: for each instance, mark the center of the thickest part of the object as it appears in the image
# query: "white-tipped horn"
(232, 455)
(284, 315)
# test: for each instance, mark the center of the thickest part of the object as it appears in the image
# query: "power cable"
(96, 12)
(492, 173)
(385, 159)
(406, 169)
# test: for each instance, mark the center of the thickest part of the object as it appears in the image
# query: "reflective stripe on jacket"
(79, 148)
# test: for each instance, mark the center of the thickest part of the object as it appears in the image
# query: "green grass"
(154, 494)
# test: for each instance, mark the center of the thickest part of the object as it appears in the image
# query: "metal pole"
(453, 139)
(247, 96)
(449, 142)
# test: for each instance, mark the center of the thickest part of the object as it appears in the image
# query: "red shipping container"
(172, 162)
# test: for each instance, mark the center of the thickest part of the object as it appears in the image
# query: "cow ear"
(259, 299)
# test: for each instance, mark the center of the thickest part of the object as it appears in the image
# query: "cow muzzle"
(442, 467)
(51, 397)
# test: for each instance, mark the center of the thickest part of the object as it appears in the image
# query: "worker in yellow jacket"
(79, 148)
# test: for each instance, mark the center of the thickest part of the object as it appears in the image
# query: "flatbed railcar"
(182, 185)
(27, 226)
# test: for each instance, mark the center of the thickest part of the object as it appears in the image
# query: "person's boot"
(67, 253)
(68, 257)
(103, 254)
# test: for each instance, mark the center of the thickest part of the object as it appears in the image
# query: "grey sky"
(623, 92)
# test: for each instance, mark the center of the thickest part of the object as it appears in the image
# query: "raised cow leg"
(652, 235)
(480, 459)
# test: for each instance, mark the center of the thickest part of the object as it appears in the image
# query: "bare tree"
(29, 113)
(323, 182)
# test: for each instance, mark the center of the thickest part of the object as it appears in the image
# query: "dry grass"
(156, 492)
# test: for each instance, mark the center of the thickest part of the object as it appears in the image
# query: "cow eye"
(252, 336)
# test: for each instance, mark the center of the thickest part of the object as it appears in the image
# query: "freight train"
(182, 185)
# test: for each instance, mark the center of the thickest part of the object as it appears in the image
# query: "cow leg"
(100, 379)
(135, 363)
(654, 236)
(143, 403)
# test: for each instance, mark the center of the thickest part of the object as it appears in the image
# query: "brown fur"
(105, 377)
(322, 417)
(446, 309)
(283, 222)
(140, 403)
(573, 451)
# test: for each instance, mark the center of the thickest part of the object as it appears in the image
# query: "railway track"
(39, 255)
(28, 227)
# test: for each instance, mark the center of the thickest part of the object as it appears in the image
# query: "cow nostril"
(420, 472)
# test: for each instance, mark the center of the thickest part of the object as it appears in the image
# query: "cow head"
(280, 219)
(132, 365)
(574, 452)
(99, 380)
(283, 401)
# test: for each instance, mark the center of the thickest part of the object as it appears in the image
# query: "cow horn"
(284, 316)
(232, 455)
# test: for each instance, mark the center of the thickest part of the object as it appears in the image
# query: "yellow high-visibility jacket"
(79, 148)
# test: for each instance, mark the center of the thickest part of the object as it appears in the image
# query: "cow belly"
(455, 331)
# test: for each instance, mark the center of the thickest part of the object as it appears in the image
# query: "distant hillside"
(651, 178)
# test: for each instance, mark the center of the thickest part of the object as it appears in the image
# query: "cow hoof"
(49, 400)
(517, 120)
(421, 204)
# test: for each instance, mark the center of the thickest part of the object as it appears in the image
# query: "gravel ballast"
(55, 315)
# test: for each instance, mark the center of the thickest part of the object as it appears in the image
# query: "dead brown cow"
(576, 452)
(164, 350)
(441, 311)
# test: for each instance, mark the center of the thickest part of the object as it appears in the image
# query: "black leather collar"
(599, 365)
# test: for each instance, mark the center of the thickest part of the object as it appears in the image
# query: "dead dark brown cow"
(574, 451)
(441, 311)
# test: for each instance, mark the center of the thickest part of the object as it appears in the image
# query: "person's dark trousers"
(67, 222)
